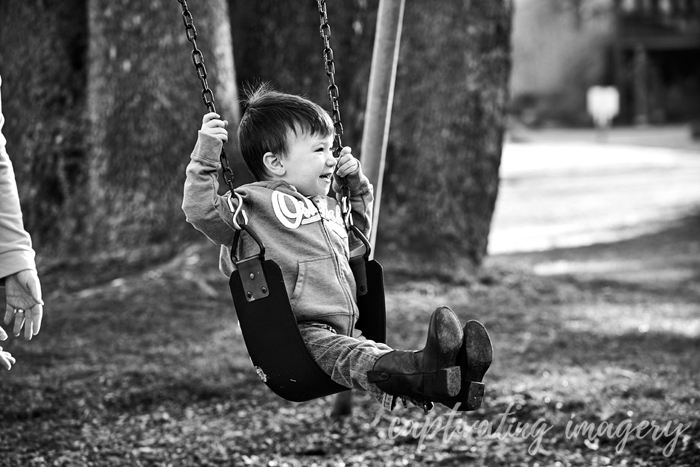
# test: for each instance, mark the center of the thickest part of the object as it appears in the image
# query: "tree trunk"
(441, 178)
(145, 107)
(42, 50)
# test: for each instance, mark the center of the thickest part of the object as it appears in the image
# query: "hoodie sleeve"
(16, 252)
(204, 208)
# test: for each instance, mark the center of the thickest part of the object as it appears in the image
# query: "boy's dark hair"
(268, 116)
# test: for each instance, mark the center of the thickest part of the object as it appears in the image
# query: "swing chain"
(207, 94)
(333, 93)
(345, 207)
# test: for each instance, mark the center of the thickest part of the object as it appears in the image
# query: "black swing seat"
(272, 336)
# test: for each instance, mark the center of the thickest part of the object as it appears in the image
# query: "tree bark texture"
(448, 123)
(144, 108)
(42, 63)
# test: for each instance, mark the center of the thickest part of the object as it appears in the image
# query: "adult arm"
(18, 276)
(16, 253)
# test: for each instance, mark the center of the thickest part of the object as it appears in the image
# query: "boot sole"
(478, 353)
(447, 380)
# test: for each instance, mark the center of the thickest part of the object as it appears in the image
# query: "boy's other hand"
(348, 167)
(214, 126)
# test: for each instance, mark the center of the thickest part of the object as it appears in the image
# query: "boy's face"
(309, 163)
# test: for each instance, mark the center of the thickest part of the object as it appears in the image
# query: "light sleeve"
(16, 252)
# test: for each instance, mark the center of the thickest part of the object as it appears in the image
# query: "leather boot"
(428, 374)
(474, 358)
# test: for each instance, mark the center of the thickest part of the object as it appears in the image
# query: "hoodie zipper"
(336, 264)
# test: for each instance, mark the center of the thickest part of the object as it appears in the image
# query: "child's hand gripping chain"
(347, 167)
(212, 125)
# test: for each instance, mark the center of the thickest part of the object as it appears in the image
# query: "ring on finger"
(19, 310)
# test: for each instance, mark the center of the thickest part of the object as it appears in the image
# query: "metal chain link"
(207, 94)
(325, 30)
(345, 206)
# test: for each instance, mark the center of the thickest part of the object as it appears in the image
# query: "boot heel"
(446, 382)
(451, 380)
(475, 395)
(470, 397)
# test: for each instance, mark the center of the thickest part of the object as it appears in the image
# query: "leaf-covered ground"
(149, 369)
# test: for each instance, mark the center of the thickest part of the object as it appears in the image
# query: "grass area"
(150, 370)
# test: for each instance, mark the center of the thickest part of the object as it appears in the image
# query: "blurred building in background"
(648, 49)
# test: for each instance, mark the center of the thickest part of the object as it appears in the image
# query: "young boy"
(286, 142)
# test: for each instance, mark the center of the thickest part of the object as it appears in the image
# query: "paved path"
(568, 189)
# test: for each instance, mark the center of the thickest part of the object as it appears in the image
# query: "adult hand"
(24, 303)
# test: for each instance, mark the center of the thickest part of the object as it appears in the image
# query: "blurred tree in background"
(447, 133)
(144, 111)
(42, 64)
(103, 104)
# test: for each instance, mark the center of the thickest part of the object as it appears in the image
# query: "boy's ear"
(273, 163)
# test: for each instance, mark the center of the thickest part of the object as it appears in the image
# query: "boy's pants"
(346, 359)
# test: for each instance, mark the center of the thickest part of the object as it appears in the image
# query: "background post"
(380, 96)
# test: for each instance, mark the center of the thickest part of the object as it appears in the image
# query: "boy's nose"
(331, 161)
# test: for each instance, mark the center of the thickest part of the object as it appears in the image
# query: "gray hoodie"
(306, 237)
